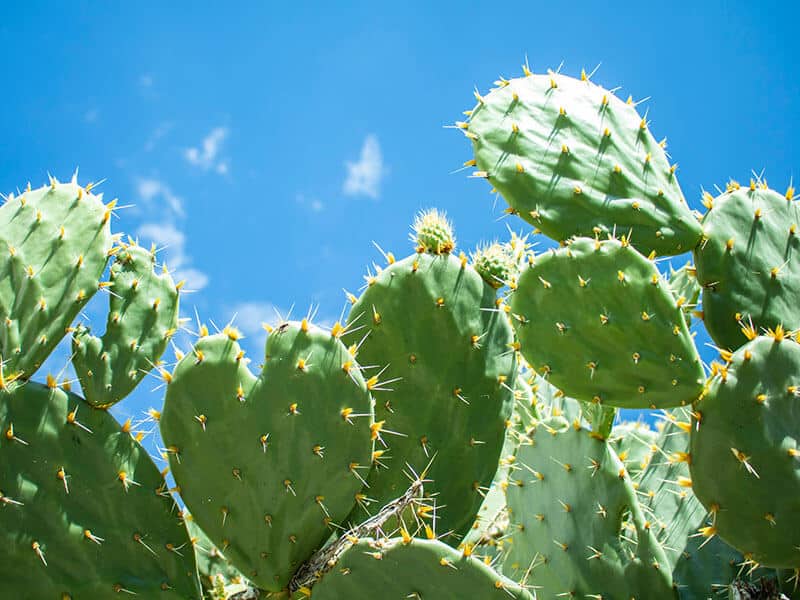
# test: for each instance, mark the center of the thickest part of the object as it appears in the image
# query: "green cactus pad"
(55, 243)
(396, 570)
(212, 566)
(433, 322)
(634, 443)
(267, 466)
(567, 500)
(142, 316)
(745, 459)
(748, 264)
(599, 321)
(84, 512)
(685, 287)
(572, 159)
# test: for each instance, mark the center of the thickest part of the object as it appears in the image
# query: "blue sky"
(270, 144)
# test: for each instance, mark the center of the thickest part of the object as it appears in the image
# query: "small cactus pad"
(212, 566)
(268, 466)
(434, 323)
(745, 456)
(599, 321)
(634, 443)
(54, 243)
(142, 316)
(685, 287)
(748, 263)
(84, 512)
(572, 159)
(398, 569)
(433, 232)
(567, 498)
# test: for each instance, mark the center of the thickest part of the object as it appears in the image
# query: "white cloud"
(364, 177)
(150, 189)
(205, 156)
(173, 242)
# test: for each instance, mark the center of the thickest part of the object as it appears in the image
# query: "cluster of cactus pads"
(455, 436)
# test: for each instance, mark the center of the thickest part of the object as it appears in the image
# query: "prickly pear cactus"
(748, 263)
(686, 288)
(567, 499)
(434, 323)
(84, 512)
(574, 160)
(745, 460)
(56, 241)
(212, 566)
(400, 568)
(269, 465)
(598, 320)
(142, 316)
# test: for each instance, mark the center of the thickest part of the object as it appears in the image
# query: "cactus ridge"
(84, 512)
(269, 465)
(745, 465)
(574, 160)
(413, 568)
(748, 264)
(434, 322)
(56, 241)
(600, 322)
(142, 317)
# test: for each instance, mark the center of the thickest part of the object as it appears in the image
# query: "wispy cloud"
(314, 204)
(206, 156)
(173, 242)
(153, 190)
(158, 133)
(364, 176)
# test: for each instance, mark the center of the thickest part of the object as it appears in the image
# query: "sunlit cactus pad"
(745, 459)
(434, 323)
(84, 512)
(599, 321)
(573, 159)
(269, 465)
(142, 317)
(55, 242)
(749, 263)
(397, 569)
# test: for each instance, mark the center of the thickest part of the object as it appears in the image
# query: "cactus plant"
(269, 465)
(435, 324)
(574, 160)
(747, 262)
(142, 317)
(56, 241)
(600, 322)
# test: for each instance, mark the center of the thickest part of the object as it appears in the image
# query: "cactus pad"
(55, 242)
(567, 499)
(572, 159)
(599, 321)
(268, 466)
(142, 316)
(84, 512)
(748, 263)
(397, 569)
(433, 321)
(745, 456)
